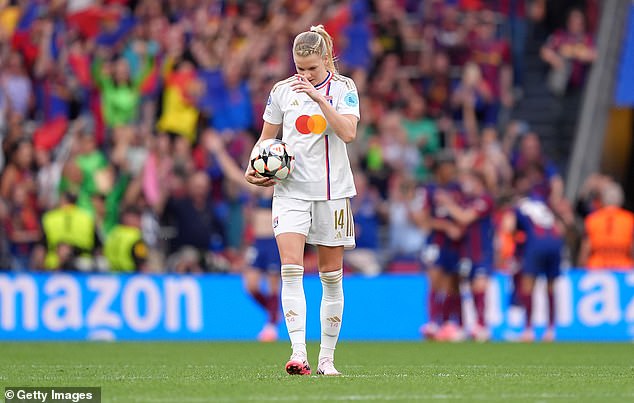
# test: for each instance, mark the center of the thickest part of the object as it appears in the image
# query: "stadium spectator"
(422, 133)
(16, 86)
(196, 226)
(18, 172)
(82, 172)
(474, 97)
(23, 228)
(406, 239)
(609, 233)
(569, 53)
(6, 257)
(120, 89)
(493, 57)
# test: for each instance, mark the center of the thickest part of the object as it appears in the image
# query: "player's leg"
(430, 256)
(269, 332)
(331, 310)
(552, 272)
(269, 265)
(451, 329)
(291, 221)
(479, 284)
(251, 276)
(332, 230)
(291, 247)
(526, 296)
(435, 302)
(452, 310)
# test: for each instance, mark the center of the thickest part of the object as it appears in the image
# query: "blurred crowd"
(113, 113)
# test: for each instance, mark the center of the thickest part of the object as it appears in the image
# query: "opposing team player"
(318, 111)
(442, 254)
(542, 247)
(475, 215)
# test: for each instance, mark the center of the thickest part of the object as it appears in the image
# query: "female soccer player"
(318, 111)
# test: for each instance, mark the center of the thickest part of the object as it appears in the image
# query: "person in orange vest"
(609, 234)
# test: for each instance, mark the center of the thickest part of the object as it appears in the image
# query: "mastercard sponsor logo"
(315, 124)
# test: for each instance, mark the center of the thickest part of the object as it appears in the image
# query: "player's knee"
(480, 284)
(292, 259)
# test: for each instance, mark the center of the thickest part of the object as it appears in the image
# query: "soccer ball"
(272, 158)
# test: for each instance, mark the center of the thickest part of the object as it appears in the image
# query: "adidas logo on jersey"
(295, 102)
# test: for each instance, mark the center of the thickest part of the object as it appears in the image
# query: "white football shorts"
(323, 222)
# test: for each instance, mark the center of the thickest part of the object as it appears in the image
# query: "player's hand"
(453, 232)
(213, 142)
(255, 179)
(303, 85)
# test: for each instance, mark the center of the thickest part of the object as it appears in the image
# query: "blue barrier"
(590, 306)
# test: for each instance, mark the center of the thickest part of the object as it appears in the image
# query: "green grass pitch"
(233, 372)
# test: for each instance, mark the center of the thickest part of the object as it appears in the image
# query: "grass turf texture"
(230, 372)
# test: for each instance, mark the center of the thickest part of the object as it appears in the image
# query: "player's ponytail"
(316, 41)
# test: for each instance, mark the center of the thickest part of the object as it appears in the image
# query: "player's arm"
(344, 125)
(214, 144)
(269, 131)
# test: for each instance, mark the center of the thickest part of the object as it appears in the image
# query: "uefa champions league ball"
(272, 158)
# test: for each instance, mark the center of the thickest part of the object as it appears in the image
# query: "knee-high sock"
(260, 298)
(294, 305)
(527, 301)
(452, 308)
(436, 303)
(478, 300)
(331, 311)
(273, 308)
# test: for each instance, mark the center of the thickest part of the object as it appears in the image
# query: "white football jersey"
(322, 169)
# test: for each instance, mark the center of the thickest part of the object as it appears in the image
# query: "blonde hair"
(315, 42)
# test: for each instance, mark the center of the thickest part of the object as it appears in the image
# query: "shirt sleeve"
(273, 113)
(348, 103)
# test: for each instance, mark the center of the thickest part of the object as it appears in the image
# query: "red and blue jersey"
(439, 212)
(478, 239)
(536, 220)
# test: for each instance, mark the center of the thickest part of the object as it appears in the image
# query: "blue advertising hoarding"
(590, 307)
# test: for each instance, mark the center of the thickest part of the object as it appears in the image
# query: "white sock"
(294, 305)
(331, 311)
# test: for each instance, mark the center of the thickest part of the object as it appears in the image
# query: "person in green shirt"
(120, 91)
(422, 132)
(81, 172)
